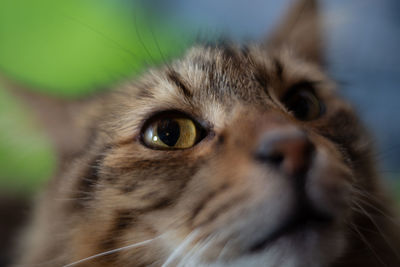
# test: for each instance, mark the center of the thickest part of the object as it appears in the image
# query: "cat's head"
(231, 156)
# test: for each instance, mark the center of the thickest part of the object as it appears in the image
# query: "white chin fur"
(312, 251)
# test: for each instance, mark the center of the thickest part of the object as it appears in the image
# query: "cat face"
(263, 181)
(231, 156)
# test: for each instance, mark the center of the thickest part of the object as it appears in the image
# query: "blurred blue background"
(72, 48)
(362, 45)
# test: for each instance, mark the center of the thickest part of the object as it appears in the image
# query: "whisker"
(389, 244)
(104, 36)
(112, 251)
(196, 251)
(186, 259)
(224, 249)
(139, 36)
(369, 246)
(157, 44)
(188, 239)
(380, 211)
(368, 196)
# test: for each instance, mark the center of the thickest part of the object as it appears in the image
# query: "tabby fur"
(210, 204)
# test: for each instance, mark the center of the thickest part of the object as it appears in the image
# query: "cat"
(234, 155)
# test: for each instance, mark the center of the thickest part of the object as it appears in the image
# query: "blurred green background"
(69, 48)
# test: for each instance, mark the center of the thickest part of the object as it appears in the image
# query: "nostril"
(289, 151)
(273, 157)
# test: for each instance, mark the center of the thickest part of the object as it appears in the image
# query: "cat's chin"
(305, 245)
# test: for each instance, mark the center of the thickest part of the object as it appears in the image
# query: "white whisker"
(380, 232)
(185, 260)
(111, 252)
(224, 250)
(196, 252)
(188, 239)
(380, 211)
(368, 244)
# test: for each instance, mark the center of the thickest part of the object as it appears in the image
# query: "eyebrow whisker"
(177, 80)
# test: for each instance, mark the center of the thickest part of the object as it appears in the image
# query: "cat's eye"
(174, 131)
(303, 103)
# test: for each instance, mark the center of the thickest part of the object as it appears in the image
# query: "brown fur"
(113, 191)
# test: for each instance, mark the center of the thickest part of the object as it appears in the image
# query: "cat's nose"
(288, 149)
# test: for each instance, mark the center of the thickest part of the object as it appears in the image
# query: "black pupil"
(301, 107)
(168, 131)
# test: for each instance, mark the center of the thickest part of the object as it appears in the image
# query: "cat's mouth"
(304, 219)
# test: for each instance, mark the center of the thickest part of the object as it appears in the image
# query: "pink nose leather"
(289, 151)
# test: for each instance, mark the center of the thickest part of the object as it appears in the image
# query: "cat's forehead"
(246, 73)
(211, 82)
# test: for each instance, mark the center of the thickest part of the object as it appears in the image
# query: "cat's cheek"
(241, 206)
(329, 185)
(237, 209)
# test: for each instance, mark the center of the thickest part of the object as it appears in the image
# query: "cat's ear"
(67, 122)
(300, 31)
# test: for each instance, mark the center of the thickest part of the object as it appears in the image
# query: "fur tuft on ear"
(67, 122)
(300, 31)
